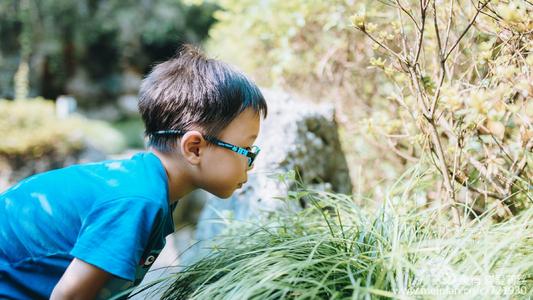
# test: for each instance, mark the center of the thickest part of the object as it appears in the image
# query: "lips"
(241, 184)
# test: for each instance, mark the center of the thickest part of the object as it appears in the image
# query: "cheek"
(233, 171)
(223, 180)
(224, 170)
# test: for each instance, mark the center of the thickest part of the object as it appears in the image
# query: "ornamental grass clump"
(337, 250)
(319, 252)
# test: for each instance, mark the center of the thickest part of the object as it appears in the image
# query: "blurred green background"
(89, 48)
(96, 51)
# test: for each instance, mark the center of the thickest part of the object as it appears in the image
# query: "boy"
(76, 232)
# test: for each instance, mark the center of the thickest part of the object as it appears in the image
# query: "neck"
(179, 182)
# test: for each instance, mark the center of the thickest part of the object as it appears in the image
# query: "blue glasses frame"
(250, 153)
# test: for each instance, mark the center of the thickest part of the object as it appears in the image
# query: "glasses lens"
(255, 150)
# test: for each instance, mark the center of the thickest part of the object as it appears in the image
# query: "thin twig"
(466, 29)
(444, 171)
(441, 63)
(409, 14)
(437, 93)
(500, 202)
(437, 31)
(407, 157)
(520, 167)
(448, 27)
(460, 178)
(418, 92)
(401, 59)
(402, 29)
(423, 10)
(501, 192)
(483, 171)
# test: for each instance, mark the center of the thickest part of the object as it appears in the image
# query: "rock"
(296, 135)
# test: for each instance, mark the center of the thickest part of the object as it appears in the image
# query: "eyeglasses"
(250, 153)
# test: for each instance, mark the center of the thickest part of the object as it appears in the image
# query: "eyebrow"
(253, 136)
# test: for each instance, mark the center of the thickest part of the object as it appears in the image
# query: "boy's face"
(224, 171)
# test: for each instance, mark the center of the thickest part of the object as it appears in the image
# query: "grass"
(335, 249)
(344, 253)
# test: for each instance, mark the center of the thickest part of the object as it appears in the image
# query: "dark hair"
(193, 90)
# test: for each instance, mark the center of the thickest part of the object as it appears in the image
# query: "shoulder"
(132, 203)
(139, 178)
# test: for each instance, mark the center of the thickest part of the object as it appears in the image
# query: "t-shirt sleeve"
(114, 234)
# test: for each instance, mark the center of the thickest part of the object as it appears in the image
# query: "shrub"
(35, 140)
(31, 129)
(461, 75)
(448, 79)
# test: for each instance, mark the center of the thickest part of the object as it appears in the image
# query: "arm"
(80, 281)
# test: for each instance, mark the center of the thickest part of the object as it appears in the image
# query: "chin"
(223, 194)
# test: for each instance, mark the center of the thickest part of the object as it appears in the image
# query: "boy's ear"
(192, 146)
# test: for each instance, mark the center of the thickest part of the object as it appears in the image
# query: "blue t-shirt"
(113, 214)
